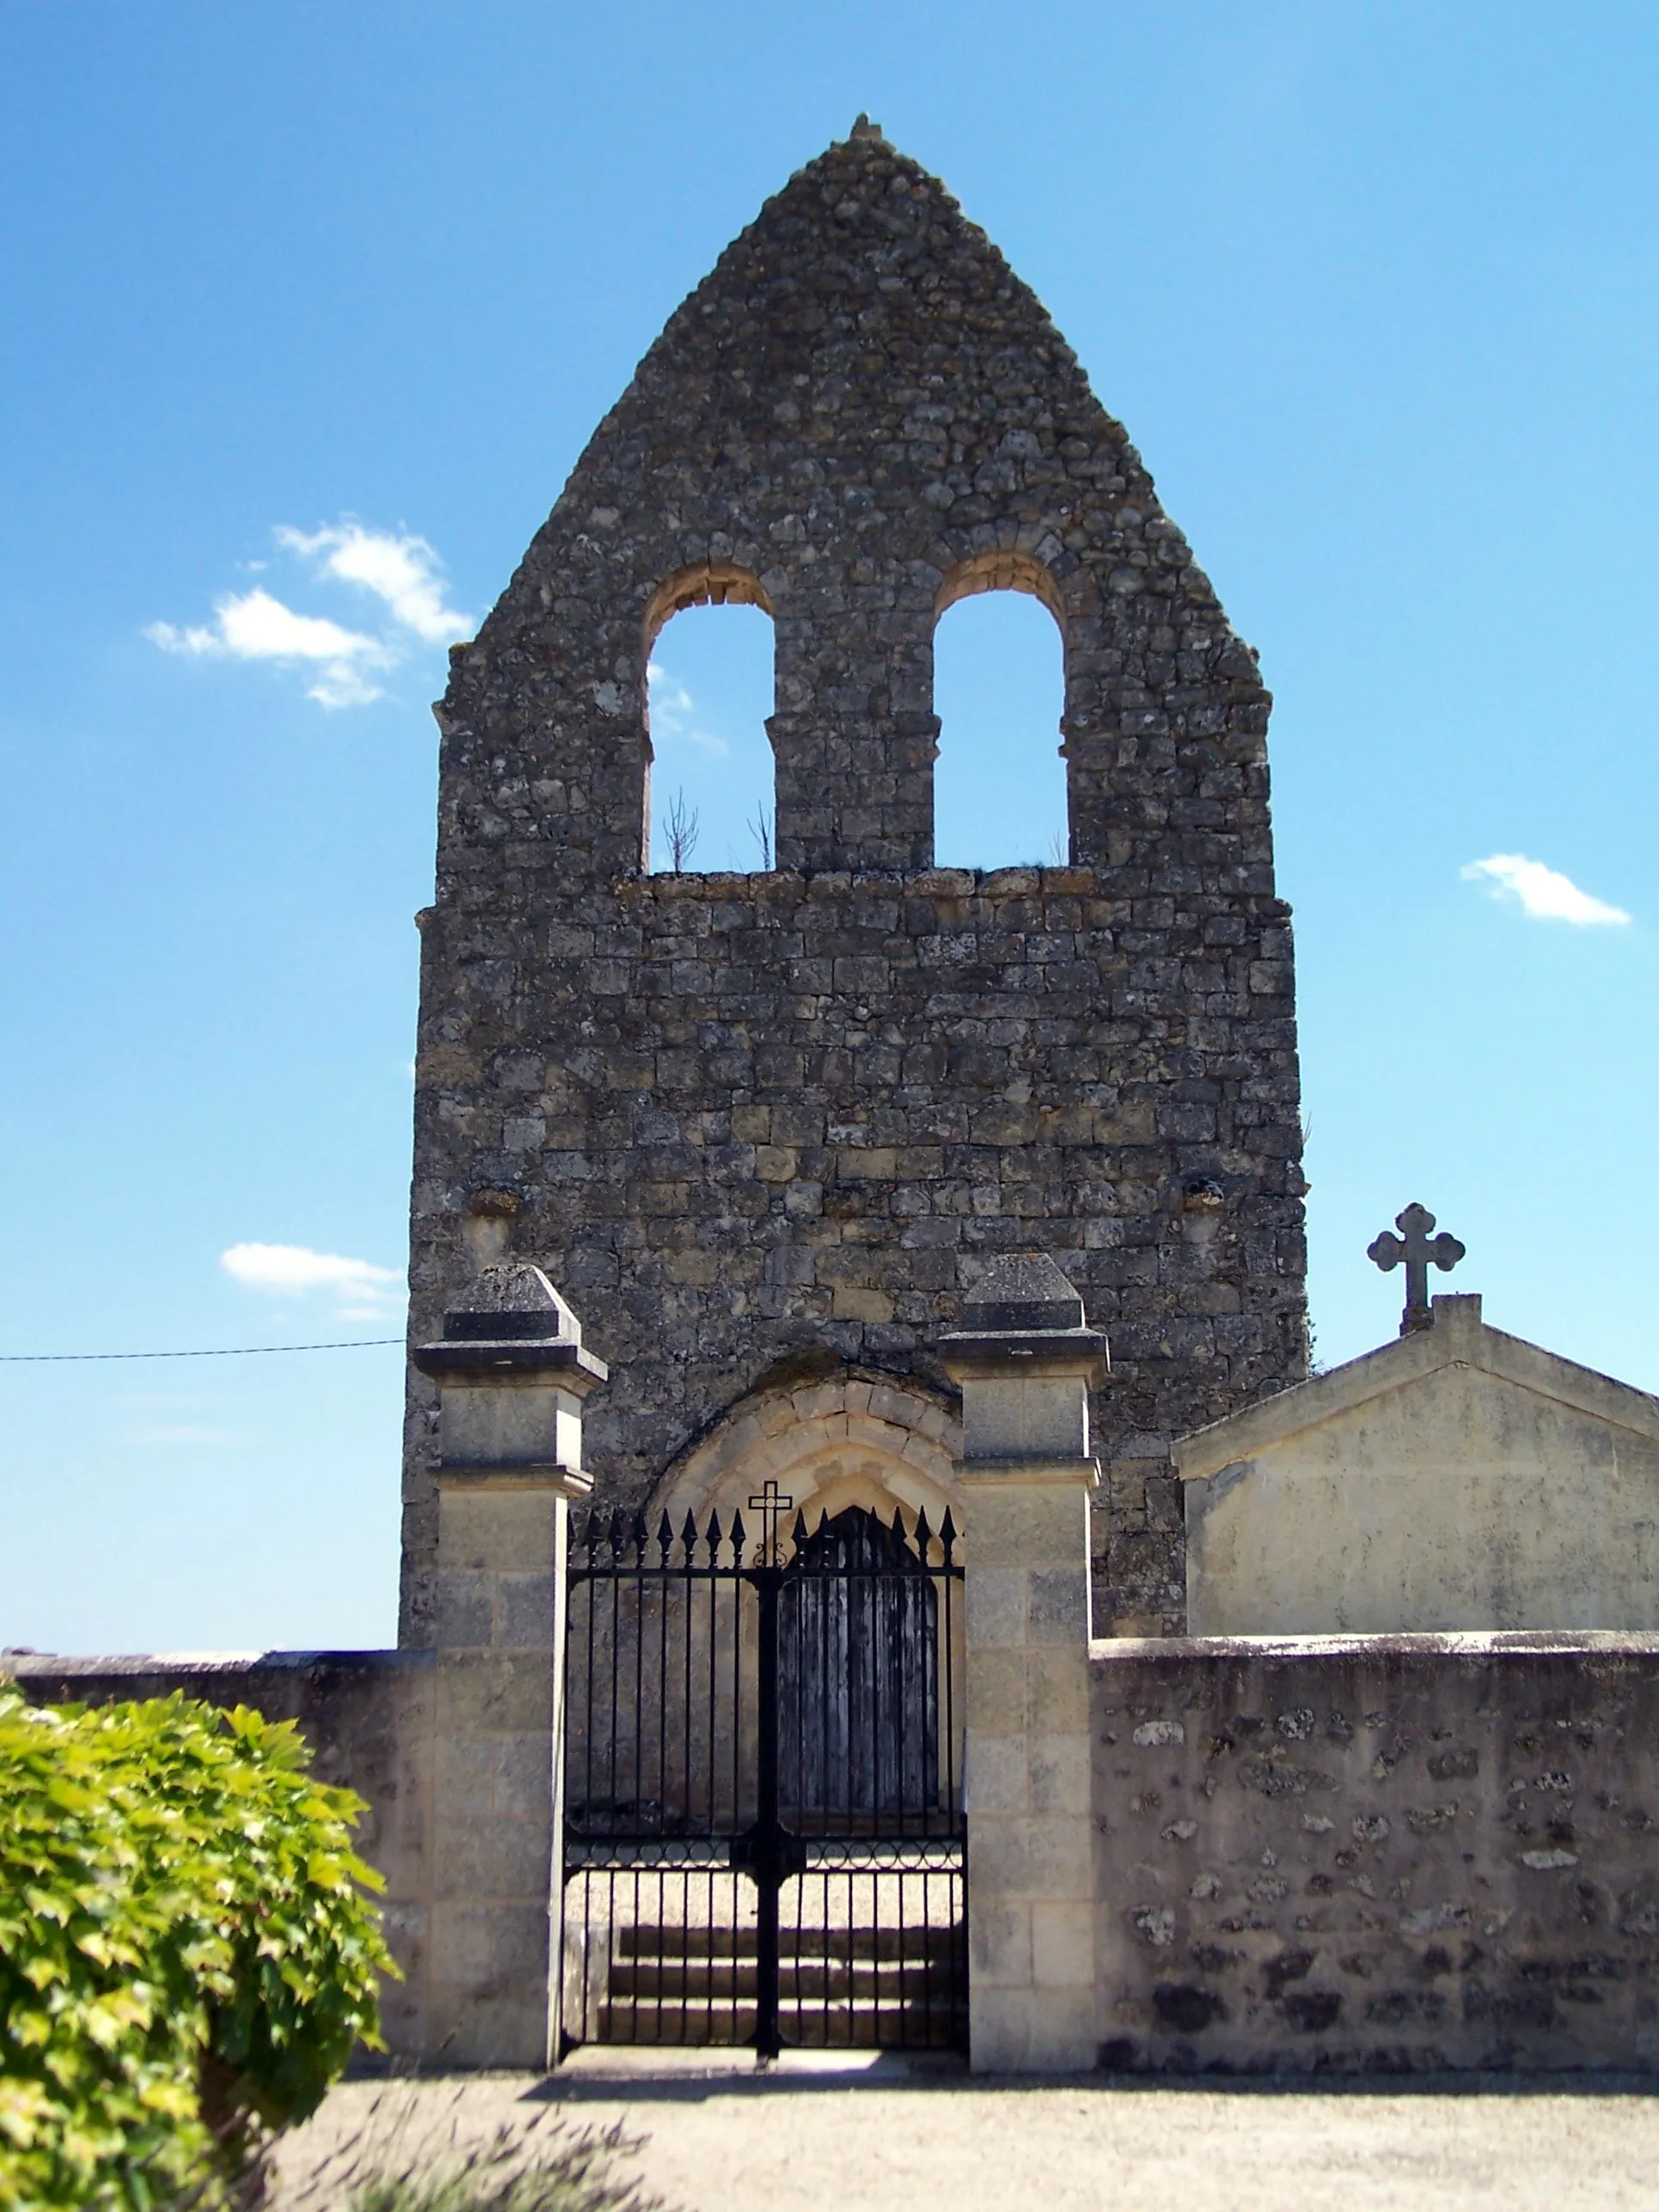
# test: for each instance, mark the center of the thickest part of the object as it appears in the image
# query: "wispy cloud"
(366, 1292)
(400, 570)
(672, 710)
(257, 627)
(1543, 892)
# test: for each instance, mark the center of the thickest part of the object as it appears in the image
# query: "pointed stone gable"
(758, 1125)
(860, 416)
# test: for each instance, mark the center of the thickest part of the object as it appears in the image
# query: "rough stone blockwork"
(1382, 1854)
(749, 1120)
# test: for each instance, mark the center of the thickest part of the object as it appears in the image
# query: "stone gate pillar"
(513, 1374)
(1025, 1361)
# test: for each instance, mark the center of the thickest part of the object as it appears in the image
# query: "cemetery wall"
(1369, 1855)
(369, 1717)
(1389, 1853)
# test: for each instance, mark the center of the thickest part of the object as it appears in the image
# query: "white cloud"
(1543, 892)
(402, 571)
(671, 709)
(366, 1291)
(257, 627)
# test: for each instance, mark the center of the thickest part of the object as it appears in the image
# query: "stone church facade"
(765, 1131)
(840, 1181)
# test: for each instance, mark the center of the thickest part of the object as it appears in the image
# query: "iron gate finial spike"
(689, 1534)
(947, 1534)
(906, 1557)
(665, 1538)
(739, 1537)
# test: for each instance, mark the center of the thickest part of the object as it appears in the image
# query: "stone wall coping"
(1459, 1338)
(1012, 1473)
(1438, 1644)
(722, 885)
(508, 1360)
(1018, 1354)
(943, 883)
(24, 1666)
(496, 1474)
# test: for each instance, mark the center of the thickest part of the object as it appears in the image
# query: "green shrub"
(187, 1954)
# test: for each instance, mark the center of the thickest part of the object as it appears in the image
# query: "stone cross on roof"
(1414, 1249)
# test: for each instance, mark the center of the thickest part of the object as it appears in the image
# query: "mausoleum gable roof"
(1460, 1337)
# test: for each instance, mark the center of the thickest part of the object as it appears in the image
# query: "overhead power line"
(216, 1352)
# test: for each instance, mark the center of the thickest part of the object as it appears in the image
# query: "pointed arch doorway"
(764, 1828)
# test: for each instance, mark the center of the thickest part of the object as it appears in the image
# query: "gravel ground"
(892, 2138)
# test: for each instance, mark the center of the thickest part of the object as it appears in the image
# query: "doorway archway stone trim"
(841, 1440)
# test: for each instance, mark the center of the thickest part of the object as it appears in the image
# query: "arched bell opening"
(710, 802)
(999, 784)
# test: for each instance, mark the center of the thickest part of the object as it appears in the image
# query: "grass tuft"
(402, 2157)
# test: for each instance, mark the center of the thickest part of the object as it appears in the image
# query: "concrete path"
(888, 2138)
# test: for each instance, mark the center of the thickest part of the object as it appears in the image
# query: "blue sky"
(308, 312)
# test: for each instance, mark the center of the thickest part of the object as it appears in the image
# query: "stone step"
(644, 1939)
(871, 2026)
(671, 1981)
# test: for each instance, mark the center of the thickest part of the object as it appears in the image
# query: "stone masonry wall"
(368, 1717)
(1382, 1854)
(783, 1118)
(756, 1119)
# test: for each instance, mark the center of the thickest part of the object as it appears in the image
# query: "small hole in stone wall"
(712, 784)
(998, 691)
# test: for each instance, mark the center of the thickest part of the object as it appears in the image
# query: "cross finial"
(1414, 1248)
(771, 1504)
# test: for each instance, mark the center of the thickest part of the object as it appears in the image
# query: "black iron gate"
(763, 1836)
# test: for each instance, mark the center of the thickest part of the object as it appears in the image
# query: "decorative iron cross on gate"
(771, 1506)
(1415, 1248)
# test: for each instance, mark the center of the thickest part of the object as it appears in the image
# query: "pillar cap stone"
(1024, 1315)
(511, 1324)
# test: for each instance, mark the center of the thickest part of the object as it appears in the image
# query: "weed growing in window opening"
(681, 831)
